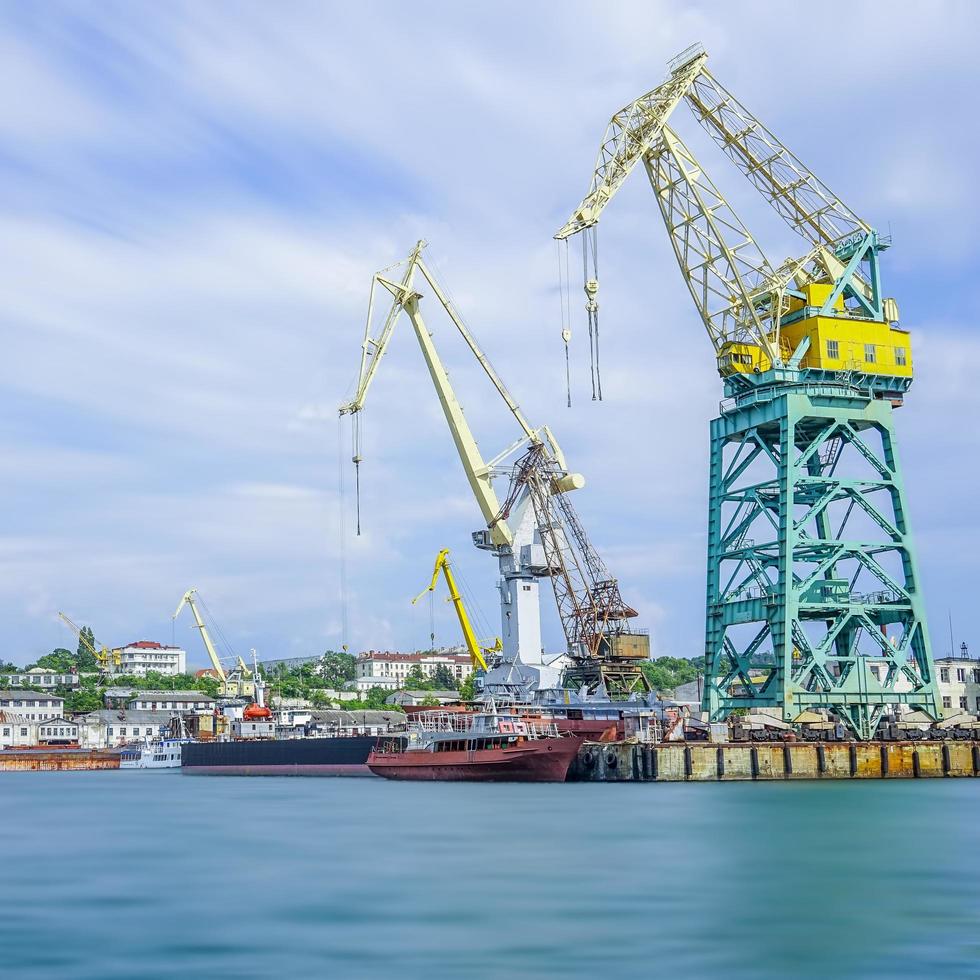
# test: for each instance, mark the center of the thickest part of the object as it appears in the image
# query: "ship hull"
(536, 761)
(341, 756)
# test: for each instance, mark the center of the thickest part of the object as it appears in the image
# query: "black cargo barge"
(338, 756)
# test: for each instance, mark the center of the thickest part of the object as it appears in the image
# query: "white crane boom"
(188, 600)
(512, 541)
(478, 472)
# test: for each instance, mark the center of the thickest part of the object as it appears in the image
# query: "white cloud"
(195, 209)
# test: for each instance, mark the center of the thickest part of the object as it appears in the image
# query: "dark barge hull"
(341, 756)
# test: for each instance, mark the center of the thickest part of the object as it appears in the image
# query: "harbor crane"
(515, 537)
(478, 654)
(240, 682)
(813, 594)
(103, 657)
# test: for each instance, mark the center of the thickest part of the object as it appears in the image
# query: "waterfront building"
(958, 680)
(170, 701)
(19, 732)
(29, 705)
(143, 656)
(390, 670)
(16, 731)
(57, 731)
(39, 679)
(109, 728)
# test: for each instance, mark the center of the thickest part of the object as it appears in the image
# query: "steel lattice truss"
(590, 605)
(739, 296)
(721, 257)
(813, 598)
(803, 201)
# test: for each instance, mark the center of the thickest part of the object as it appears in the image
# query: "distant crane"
(813, 596)
(473, 647)
(104, 657)
(240, 682)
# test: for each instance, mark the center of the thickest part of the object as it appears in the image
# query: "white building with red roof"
(145, 655)
(390, 670)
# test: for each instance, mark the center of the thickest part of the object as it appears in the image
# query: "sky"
(193, 200)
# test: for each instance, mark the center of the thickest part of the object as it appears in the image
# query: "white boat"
(157, 753)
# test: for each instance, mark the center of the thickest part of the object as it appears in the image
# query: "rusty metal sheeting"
(32, 760)
(708, 762)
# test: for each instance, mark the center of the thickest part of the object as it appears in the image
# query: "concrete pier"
(713, 762)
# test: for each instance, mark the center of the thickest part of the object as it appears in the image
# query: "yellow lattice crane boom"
(103, 657)
(473, 647)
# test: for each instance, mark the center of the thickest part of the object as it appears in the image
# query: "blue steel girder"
(804, 433)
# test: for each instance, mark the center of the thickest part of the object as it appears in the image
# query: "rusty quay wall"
(40, 760)
(712, 762)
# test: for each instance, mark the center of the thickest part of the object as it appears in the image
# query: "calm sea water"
(142, 874)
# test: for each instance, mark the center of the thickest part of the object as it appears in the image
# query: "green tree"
(467, 690)
(375, 698)
(84, 657)
(82, 701)
(61, 661)
(665, 674)
(336, 670)
(415, 679)
(443, 679)
(208, 684)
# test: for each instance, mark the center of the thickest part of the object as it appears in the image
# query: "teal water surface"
(158, 874)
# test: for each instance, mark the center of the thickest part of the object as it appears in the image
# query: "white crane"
(514, 541)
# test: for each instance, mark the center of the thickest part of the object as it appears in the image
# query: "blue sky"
(194, 197)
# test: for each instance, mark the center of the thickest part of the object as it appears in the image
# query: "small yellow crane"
(476, 652)
(103, 657)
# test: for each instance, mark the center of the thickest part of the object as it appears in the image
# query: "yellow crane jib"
(473, 647)
(103, 656)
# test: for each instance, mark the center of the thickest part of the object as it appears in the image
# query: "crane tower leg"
(814, 600)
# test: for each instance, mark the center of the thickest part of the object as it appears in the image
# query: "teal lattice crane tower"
(813, 595)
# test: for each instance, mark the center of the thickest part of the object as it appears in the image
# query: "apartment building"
(143, 656)
(390, 670)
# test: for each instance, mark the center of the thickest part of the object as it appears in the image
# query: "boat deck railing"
(455, 722)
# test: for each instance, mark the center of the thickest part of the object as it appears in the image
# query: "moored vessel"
(479, 746)
(156, 753)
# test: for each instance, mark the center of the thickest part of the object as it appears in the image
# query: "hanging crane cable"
(343, 534)
(565, 304)
(590, 275)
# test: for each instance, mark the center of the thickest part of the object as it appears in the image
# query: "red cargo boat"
(487, 746)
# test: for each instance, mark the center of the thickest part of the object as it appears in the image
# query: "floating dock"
(712, 762)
